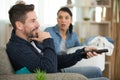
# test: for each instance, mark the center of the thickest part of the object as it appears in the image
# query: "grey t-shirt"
(63, 47)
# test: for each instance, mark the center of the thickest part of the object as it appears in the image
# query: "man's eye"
(33, 21)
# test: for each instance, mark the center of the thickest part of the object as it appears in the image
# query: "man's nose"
(37, 24)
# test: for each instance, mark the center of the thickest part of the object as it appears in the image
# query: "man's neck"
(21, 35)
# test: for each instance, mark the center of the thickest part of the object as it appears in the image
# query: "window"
(46, 10)
(6, 4)
(50, 8)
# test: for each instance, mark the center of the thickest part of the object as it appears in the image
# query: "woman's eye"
(60, 17)
(66, 17)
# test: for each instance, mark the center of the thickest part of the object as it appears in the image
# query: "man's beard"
(31, 34)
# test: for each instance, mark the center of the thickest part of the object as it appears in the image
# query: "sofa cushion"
(5, 65)
(23, 70)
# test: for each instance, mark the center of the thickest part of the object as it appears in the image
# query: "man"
(31, 48)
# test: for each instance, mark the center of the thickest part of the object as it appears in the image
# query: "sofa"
(7, 72)
(100, 42)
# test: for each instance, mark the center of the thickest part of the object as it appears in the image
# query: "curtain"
(116, 36)
(116, 11)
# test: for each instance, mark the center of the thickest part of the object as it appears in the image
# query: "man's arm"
(70, 59)
(50, 55)
(25, 55)
(49, 59)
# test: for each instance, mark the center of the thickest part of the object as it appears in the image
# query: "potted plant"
(40, 75)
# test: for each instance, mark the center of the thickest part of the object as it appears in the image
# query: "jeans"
(92, 73)
(100, 78)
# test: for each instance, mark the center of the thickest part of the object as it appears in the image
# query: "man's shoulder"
(16, 47)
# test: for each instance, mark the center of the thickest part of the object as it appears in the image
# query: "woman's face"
(64, 20)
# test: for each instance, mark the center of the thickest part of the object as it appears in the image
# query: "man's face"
(31, 25)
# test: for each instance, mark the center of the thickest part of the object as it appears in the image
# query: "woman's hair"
(66, 9)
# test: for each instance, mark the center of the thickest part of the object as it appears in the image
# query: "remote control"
(99, 51)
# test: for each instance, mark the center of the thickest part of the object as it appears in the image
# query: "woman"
(62, 33)
(65, 38)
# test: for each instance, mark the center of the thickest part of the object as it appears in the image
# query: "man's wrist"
(48, 43)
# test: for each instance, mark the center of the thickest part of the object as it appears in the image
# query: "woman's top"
(71, 40)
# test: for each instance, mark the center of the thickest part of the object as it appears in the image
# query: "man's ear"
(19, 25)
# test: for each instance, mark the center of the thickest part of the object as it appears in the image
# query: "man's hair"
(18, 13)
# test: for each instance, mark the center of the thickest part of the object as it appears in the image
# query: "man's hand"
(90, 54)
(41, 36)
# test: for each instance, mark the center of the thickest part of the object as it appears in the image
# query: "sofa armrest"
(51, 76)
(66, 76)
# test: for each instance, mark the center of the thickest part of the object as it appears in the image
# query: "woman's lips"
(63, 25)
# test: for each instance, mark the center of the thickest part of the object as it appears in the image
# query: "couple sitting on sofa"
(29, 48)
